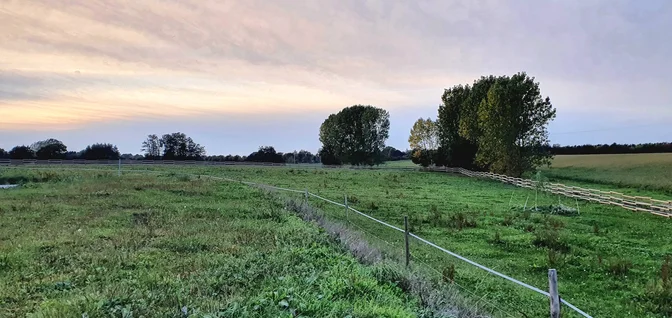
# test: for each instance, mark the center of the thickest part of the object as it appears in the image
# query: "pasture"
(610, 261)
(629, 173)
(89, 244)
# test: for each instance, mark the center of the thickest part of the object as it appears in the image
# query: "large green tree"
(356, 135)
(497, 124)
(513, 119)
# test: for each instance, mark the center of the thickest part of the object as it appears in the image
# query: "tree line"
(55, 149)
(660, 147)
(174, 146)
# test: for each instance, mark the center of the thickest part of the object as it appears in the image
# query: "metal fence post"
(306, 195)
(408, 252)
(553, 292)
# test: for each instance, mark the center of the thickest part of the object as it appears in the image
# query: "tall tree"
(456, 149)
(177, 146)
(152, 147)
(21, 152)
(356, 135)
(49, 149)
(424, 135)
(3, 154)
(513, 120)
(100, 151)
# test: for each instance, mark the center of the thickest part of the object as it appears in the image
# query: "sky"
(236, 75)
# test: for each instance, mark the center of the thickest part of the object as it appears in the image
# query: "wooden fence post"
(346, 208)
(408, 252)
(553, 292)
(306, 195)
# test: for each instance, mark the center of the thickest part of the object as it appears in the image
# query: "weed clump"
(460, 221)
(619, 267)
(548, 236)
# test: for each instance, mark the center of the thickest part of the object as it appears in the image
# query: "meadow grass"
(91, 244)
(609, 260)
(630, 173)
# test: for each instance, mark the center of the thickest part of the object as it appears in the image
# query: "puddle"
(7, 186)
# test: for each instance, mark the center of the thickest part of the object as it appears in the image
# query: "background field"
(156, 246)
(643, 173)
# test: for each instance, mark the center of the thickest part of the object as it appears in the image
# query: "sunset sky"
(235, 75)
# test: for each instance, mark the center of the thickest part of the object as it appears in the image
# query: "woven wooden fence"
(632, 203)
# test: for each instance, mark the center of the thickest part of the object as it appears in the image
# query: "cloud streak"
(70, 64)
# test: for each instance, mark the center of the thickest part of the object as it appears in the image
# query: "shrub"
(550, 238)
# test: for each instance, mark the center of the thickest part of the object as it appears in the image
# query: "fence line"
(508, 278)
(632, 203)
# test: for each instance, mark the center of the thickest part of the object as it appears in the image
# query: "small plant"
(529, 228)
(372, 206)
(596, 229)
(353, 199)
(550, 238)
(620, 267)
(435, 215)
(508, 221)
(553, 258)
(460, 221)
(599, 260)
(449, 274)
(415, 222)
(665, 271)
(497, 239)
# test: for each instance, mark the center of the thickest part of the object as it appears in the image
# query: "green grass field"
(608, 259)
(88, 244)
(632, 173)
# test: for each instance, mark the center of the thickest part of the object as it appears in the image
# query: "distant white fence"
(633, 203)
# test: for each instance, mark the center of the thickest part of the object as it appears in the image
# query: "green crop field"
(87, 244)
(631, 172)
(610, 261)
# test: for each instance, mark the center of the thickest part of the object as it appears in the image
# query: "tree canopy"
(49, 149)
(152, 147)
(355, 135)
(497, 124)
(100, 151)
(266, 154)
(21, 152)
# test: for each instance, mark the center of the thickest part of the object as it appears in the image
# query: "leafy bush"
(550, 238)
